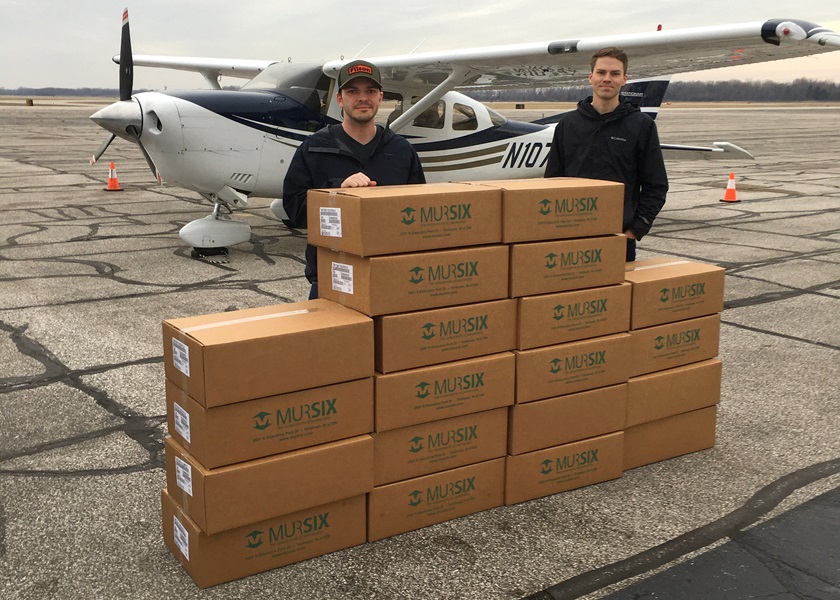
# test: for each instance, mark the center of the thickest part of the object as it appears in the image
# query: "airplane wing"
(566, 62)
(209, 67)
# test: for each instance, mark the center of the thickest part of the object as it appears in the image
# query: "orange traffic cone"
(730, 195)
(113, 182)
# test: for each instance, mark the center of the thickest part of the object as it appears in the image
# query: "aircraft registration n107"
(232, 145)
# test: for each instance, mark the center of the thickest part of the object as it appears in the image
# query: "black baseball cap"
(359, 68)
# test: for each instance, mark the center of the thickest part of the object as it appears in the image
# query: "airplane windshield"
(306, 84)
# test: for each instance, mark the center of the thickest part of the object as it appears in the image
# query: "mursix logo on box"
(683, 292)
(675, 340)
(564, 206)
(423, 390)
(443, 439)
(288, 530)
(580, 309)
(438, 214)
(296, 414)
(445, 272)
(568, 461)
(455, 327)
(442, 491)
(578, 361)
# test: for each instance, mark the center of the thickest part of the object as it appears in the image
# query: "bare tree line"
(799, 90)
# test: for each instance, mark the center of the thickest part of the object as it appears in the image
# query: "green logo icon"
(555, 366)
(415, 498)
(428, 331)
(416, 275)
(664, 295)
(550, 260)
(545, 207)
(254, 539)
(423, 389)
(416, 445)
(558, 312)
(408, 215)
(659, 342)
(545, 469)
(261, 420)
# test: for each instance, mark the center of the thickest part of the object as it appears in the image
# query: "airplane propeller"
(124, 113)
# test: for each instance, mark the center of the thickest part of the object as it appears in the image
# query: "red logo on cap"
(360, 69)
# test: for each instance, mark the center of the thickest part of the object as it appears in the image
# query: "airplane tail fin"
(646, 94)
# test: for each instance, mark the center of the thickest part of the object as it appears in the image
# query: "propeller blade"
(126, 60)
(133, 131)
(102, 149)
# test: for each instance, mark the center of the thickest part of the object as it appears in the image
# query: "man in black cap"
(355, 153)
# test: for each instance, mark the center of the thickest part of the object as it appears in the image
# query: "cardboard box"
(443, 391)
(427, 448)
(568, 316)
(245, 354)
(423, 501)
(558, 208)
(429, 337)
(673, 391)
(667, 346)
(257, 547)
(669, 437)
(559, 266)
(572, 367)
(556, 421)
(381, 285)
(228, 497)
(562, 468)
(667, 290)
(255, 428)
(404, 218)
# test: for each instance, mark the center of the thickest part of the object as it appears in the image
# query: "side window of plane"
(432, 117)
(463, 118)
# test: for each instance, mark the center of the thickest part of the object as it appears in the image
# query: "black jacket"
(324, 160)
(620, 146)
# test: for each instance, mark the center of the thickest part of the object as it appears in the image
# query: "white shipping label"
(181, 356)
(342, 278)
(182, 422)
(182, 537)
(183, 475)
(330, 221)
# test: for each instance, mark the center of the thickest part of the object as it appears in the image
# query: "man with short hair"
(605, 138)
(355, 153)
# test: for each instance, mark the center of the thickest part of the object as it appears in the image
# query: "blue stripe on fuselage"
(264, 111)
(510, 130)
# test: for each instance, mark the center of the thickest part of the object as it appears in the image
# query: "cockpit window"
(463, 118)
(306, 84)
(495, 118)
(432, 117)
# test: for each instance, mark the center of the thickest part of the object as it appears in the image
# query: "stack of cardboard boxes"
(269, 458)
(427, 264)
(476, 344)
(675, 383)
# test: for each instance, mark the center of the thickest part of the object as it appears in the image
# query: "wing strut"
(458, 76)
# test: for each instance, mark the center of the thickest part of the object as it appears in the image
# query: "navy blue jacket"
(324, 160)
(620, 146)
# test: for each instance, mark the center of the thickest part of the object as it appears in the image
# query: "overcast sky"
(46, 43)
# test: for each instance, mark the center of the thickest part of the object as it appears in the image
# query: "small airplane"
(230, 146)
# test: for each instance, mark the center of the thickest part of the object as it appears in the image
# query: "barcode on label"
(181, 356)
(182, 422)
(183, 475)
(182, 537)
(342, 278)
(330, 221)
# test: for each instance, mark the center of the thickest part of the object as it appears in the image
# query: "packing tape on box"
(290, 313)
(667, 264)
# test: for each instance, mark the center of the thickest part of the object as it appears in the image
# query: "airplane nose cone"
(119, 116)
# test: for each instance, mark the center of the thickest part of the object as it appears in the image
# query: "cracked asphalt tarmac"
(87, 276)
